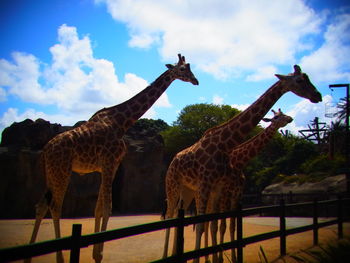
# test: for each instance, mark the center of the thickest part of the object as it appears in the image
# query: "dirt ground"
(149, 247)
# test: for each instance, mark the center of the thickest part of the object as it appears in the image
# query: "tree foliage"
(155, 126)
(282, 158)
(192, 122)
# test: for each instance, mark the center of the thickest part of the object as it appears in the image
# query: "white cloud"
(202, 99)
(304, 112)
(218, 100)
(263, 73)
(76, 82)
(240, 107)
(3, 96)
(22, 77)
(330, 62)
(221, 37)
(13, 115)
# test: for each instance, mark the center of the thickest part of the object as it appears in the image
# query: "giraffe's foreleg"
(98, 218)
(173, 200)
(222, 235)
(98, 212)
(103, 210)
(102, 213)
(232, 236)
(211, 208)
(225, 203)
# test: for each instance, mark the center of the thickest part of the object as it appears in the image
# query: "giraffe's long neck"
(243, 153)
(124, 115)
(234, 131)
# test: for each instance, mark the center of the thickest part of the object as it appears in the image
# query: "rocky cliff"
(327, 188)
(138, 186)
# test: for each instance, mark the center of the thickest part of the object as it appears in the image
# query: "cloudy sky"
(64, 60)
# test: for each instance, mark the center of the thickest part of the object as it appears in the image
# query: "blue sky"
(64, 60)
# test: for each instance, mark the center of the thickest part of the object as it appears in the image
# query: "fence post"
(282, 228)
(180, 235)
(340, 217)
(315, 222)
(239, 234)
(75, 245)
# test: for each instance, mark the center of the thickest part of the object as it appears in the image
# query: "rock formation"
(138, 186)
(327, 188)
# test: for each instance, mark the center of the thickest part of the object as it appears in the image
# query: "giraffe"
(98, 145)
(230, 188)
(195, 169)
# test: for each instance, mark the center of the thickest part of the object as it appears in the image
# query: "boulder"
(327, 188)
(30, 134)
(137, 188)
(139, 184)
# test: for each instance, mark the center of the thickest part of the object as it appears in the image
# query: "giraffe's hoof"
(59, 257)
(98, 258)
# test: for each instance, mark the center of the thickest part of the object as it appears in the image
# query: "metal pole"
(315, 222)
(282, 228)
(340, 218)
(347, 134)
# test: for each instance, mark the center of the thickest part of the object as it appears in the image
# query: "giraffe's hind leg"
(40, 212)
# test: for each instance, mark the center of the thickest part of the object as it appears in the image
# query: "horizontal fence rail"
(77, 241)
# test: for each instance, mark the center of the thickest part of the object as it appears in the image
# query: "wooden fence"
(77, 241)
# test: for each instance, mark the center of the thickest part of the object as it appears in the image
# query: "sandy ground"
(149, 247)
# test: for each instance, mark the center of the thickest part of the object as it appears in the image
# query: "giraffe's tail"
(180, 204)
(164, 210)
(42, 206)
(47, 197)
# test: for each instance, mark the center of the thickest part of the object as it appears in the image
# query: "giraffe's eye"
(275, 117)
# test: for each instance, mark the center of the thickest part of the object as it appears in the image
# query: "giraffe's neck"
(124, 115)
(234, 131)
(243, 153)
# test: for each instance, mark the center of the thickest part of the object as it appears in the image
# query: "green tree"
(192, 122)
(155, 126)
(283, 155)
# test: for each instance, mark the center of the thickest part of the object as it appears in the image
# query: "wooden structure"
(77, 241)
(317, 131)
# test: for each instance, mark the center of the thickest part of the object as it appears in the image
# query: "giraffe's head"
(182, 71)
(300, 84)
(279, 119)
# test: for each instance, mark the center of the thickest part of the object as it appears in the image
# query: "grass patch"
(336, 251)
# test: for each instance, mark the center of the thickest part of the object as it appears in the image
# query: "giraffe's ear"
(169, 66)
(266, 119)
(297, 70)
(282, 77)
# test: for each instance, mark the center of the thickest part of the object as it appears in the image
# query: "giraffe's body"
(97, 145)
(202, 165)
(228, 196)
